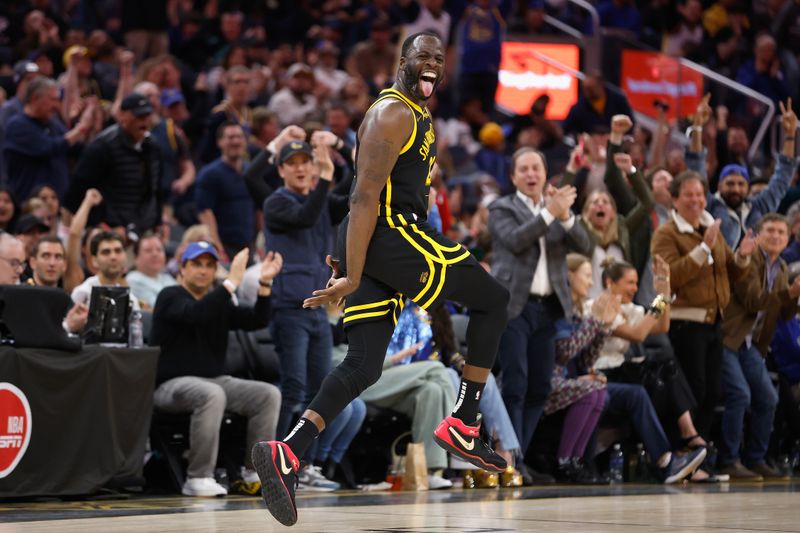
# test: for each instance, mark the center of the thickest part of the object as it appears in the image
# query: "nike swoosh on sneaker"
(467, 445)
(286, 469)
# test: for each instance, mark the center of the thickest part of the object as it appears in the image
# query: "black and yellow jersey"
(404, 198)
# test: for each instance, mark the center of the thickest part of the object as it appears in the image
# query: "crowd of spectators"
(166, 146)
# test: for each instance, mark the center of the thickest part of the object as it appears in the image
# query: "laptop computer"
(31, 317)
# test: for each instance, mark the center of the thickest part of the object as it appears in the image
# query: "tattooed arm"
(385, 129)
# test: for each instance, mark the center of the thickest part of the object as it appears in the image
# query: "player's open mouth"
(426, 81)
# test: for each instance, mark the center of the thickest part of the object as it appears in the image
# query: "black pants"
(466, 283)
(698, 348)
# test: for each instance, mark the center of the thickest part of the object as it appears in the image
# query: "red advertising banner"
(650, 76)
(528, 70)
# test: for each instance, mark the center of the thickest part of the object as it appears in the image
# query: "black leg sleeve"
(487, 302)
(361, 368)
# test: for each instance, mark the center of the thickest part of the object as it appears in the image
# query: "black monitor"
(109, 309)
(31, 317)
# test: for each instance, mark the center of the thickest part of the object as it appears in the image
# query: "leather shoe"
(532, 477)
(738, 472)
(766, 471)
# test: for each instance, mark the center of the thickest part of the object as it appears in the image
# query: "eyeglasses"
(16, 264)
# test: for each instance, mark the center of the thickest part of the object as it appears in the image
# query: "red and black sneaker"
(465, 442)
(277, 468)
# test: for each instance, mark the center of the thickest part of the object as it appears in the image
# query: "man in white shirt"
(108, 253)
(532, 232)
(149, 277)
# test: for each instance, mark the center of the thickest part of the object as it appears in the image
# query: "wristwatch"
(658, 306)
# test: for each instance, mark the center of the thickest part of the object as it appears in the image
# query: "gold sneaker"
(511, 477)
(481, 479)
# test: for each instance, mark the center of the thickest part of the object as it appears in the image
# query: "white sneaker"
(438, 482)
(250, 476)
(202, 486)
(311, 478)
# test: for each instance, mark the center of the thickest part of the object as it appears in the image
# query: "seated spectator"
(223, 202)
(9, 211)
(428, 336)
(595, 107)
(149, 276)
(51, 212)
(36, 142)
(191, 322)
(421, 390)
(629, 400)
(47, 262)
(29, 229)
(108, 253)
(758, 301)
(624, 357)
(583, 396)
(12, 259)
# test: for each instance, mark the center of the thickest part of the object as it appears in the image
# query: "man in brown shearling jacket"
(702, 268)
(758, 301)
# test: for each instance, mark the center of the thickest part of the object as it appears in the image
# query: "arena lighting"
(648, 77)
(528, 70)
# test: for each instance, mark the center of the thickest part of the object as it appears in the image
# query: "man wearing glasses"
(12, 259)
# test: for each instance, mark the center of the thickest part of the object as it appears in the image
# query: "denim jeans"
(495, 416)
(338, 435)
(745, 383)
(527, 357)
(304, 344)
(633, 402)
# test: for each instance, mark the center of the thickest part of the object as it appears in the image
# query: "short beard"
(733, 204)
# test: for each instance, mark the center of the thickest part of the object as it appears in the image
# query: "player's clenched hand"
(335, 293)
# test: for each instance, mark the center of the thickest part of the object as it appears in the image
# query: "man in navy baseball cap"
(196, 249)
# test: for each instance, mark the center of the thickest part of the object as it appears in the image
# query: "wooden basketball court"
(725, 507)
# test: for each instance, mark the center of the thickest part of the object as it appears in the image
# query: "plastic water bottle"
(784, 465)
(135, 329)
(795, 457)
(616, 463)
(711, 454)
(642, 474)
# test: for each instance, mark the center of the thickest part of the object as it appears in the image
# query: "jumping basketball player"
(392, 253)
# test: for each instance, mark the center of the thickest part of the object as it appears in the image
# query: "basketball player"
(392, 253)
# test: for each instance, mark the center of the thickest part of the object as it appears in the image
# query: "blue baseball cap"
(171, 96)
(727, 170)
(196, 249)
